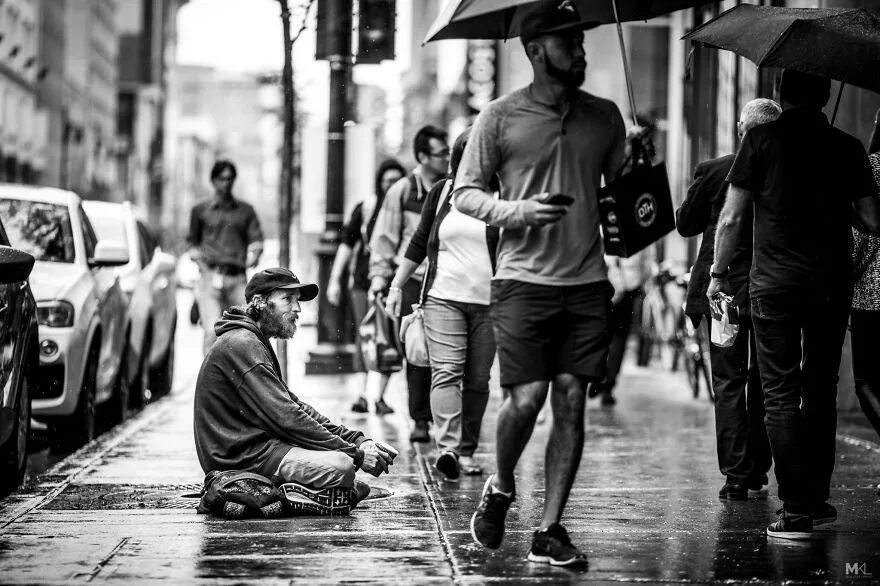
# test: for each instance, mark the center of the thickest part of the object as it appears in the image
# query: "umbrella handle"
(837, 103)
(626, 71)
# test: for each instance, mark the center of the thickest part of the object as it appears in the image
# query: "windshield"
(108, 226)
(41, 229)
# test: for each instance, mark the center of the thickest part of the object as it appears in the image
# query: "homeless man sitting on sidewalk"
(246, 418)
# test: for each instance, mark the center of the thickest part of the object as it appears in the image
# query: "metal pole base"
(331, 359)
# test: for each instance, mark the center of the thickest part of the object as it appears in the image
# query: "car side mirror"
(15, 265)
(109, 253)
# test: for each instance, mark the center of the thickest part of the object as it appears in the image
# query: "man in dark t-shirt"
(804, 179)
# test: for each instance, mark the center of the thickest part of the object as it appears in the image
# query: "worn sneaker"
(382, 408)
(360, 406)
(447, 463)
(552, 546)
(791, 526)
(487, 523)
(824, 513)
(733, 491)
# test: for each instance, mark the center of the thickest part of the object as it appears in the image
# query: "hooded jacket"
(246, 418)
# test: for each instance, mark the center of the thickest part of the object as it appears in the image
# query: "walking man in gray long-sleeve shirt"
(550, 294)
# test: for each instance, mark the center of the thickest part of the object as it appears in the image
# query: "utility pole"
(285, 195)
(332, 354)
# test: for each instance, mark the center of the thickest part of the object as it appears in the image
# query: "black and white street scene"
(449, 292)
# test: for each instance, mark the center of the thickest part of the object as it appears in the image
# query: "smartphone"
(387, 449)
(560, 199)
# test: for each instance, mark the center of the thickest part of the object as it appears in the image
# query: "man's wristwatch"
(714, 275)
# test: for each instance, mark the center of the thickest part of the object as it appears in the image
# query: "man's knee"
(318, 470)
(343, 467)
(527, 400)
(568, 399)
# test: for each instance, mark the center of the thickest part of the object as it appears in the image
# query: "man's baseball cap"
(551, 16)
(268, 280)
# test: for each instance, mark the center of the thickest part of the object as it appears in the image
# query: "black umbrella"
(838, 43)
(500, 19)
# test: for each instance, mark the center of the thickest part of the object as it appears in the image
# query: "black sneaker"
(447, 463)
(757, 484)
(420, 433)
(791, 526)
(733, 491)
(360, 406)
(552, 546)
(487, 523)
(382, 408)
(824, 513)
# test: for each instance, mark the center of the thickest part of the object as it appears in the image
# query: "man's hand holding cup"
(376, 461)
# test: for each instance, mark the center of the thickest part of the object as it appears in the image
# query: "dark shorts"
(542, 331)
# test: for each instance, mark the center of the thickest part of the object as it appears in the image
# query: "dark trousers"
(418, 378)
(799, 339)
(620, 323)
(740, 434)
(866, 362)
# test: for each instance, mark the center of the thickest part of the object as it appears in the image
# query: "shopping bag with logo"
(636, 208)
(725, 320)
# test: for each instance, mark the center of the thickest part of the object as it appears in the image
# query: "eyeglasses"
(444, 154)
(225, 178)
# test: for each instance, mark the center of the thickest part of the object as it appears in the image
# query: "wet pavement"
(644, 506)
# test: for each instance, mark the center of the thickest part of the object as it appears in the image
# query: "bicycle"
(657, 324)
(691, 347)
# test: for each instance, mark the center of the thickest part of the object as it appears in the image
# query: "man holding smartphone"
(549, 144)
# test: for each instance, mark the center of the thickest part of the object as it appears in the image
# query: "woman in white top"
(460, 252)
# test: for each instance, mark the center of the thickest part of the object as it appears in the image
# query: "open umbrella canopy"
(839, 43)
(500, 19)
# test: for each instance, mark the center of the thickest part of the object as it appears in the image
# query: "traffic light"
(375, 30)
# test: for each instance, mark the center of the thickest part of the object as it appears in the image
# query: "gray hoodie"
(245, 416)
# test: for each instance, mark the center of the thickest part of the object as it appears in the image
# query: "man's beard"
(276, 325)
(570, 78)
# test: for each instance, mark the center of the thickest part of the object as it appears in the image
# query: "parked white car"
(81, 309)
(149, 282)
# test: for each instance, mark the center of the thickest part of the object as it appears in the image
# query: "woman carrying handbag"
(455, 308)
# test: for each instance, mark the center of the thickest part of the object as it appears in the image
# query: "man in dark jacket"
(743, 448)
(246, 418)
(806, 182)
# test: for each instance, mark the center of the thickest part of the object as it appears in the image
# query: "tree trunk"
(285, 196)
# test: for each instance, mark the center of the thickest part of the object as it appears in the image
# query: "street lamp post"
(333, 355)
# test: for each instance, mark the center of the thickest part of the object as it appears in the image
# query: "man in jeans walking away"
(396, 223)
(741, 437)
(550, 297)
(804, 179)
(225, 239)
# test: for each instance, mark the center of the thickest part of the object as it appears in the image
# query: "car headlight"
(56, 314)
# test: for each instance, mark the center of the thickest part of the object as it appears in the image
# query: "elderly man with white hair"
(743, 448)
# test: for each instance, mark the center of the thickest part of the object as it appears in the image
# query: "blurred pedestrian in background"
(865, 315)
(807, 181)
(398, 218)
(352, 264)
(225, 238)
(549, 144)
(461, 256)
(741, 437)
(627, 276)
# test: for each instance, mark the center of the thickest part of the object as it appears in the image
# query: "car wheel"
(140, 390)
(161, 377)
(79, 428)
(117, 407)
(13, 456)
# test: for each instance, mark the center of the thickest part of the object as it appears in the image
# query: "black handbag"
(636, 209)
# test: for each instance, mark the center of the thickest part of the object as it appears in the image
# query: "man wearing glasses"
(224, 238)
(395, 224)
